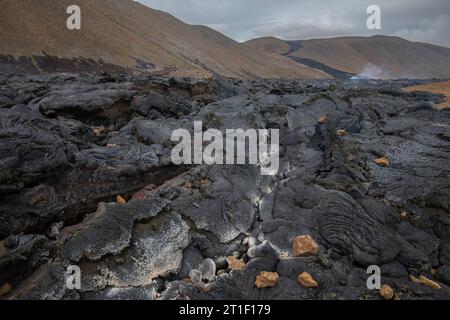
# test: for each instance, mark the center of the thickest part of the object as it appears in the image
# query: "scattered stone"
(429, 283)
(387, 292)
(425, 281)
(5, 289)
(196, 277)
(383, 161)
(235, 263)
(99, 130)
(267, 279)
(304, 246)
(414, 279)
(306, 280)
(120, 200)
(341, 132)
(323, 119)
(208, 270)
(204, 277)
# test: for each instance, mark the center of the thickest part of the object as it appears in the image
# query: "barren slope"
(126, 33)
(377, 57)
(269, 44)
(442, 88)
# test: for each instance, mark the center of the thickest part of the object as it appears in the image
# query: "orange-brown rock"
(341, 132)
(383, 161)
(306, 280)
(99, 130)
(429, 283)
(120, 200)
(323, 119)
(235, 263)
(387, 292)
(304, 246)
(5, 289)
(267, 279)
(414, 279)
(425, 281)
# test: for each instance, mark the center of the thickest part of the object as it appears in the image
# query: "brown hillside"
(269, 44)
(435, 87)
(121, 31)
(378, 57)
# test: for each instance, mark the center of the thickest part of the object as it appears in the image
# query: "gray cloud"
(416, 20)
(437, 29)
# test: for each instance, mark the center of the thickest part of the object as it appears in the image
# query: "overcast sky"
(417, 20)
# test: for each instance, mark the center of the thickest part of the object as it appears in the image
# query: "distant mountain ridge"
(373, 57)
(124, 34)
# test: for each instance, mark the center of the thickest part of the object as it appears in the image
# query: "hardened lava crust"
(86, 179)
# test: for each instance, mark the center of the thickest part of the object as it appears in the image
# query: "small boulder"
(386, 292)
(306, 280)
(120, 200)
(323, 119)
(267, 279)
(5, 289)
(304, 246)
(208, 269)
(235, 263)
(383, 161)
(425, 281)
